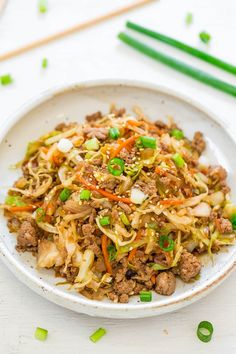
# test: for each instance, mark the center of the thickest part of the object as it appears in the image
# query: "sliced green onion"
(205, 37)
(152, 225)
(116, 166)
(13, 200)
(44, 63)
(166, 243)
(6, 80)
(157, 266)
(233, 221)
(40, 214)
(112, 252)
(97, 335)
(85, 194)
(41, 334)
(104, 221)
(145, 296)
(64, 195)
(114, 133)
(124, 219)
(189, 18)
(43, 6)
(147, 142)
(181, 66)
(32, 147)
(178, 160)
(204, 331)
(92, 144)
(177, 134)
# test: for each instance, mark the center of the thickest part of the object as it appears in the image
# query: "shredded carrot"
(44, 149)
(134, 251)
(16, 209)
(105, 254)
(160, 171)
(153, 279)
(51, 207)
(135, 123)
(171, 202)
(106, 194)
(124, 144)
(56, 158)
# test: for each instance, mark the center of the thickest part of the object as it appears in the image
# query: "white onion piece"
(137, 196)
(201, 210)
(203, 160)
(47, 227)
(64, 145)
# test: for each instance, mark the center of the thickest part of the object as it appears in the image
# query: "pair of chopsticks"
(177, 64)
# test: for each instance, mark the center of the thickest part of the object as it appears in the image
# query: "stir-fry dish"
(120, 205)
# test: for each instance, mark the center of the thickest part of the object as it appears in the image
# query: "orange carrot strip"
(160, 171)
(105, 254)
(171, 202)
(124, 144)
(153, 279)
(135, 123)
(134, 251)
(106, 194)
(23, 208)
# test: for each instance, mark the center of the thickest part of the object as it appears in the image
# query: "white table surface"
(96, 53)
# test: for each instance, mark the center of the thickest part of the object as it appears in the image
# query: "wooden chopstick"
(178, 65)
(73, 29)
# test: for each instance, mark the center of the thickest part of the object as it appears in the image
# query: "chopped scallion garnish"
(43, 6)
(64, 195)
(233, 221)
(189, 18)
(6, 80)
(124, 219)
(166, 243)
(147, 142)
(145, 296)
(13, 200)
(44, 63)
(112, 252)
(177, 134)
(85, 194)
(204, 331)
(41, 334)
(92, 144)
(178, 160)
(205, 37)
(39, 214)
(116, 166)
(104, 221)
(114, 133)
(97, 335)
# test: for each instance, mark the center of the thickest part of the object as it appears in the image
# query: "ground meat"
(223, 225)
(27, 235)
(165, 283)
(13, 224)
(99, 133)
(92, 243)
(74, 207)
(147, 188)
(93, 117)
(198, 142)
(161, 125)
(97, 161)
(100, 265)
(128, 156)
(124, 298)
(138, 287)
(124, 287)
(162, 258)
(71, 273)
(62, 127)
(118, 112)
(189, 266)
(125, 207)
(87, 230)
(109, 184)
(113, 296)
(218, 173)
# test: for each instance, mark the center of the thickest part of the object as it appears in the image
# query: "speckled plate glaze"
(72, 104)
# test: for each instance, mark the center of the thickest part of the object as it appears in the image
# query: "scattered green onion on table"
(97, 335)
(178, 65)
(41, 334)
(6, 80)
(184, 47)
(205, 331)
(205, 37)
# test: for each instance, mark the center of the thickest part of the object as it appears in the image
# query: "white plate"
(72, 104)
